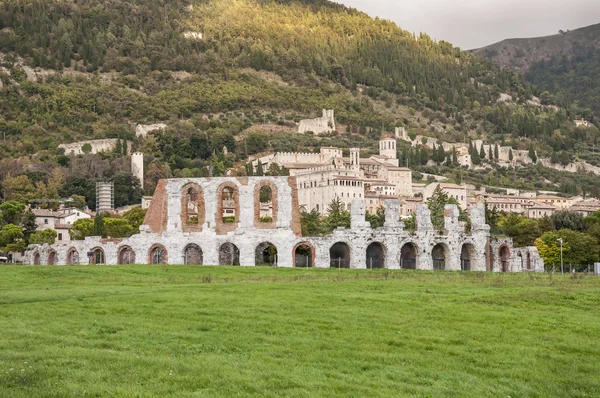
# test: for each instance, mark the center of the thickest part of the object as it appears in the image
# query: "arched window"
(266, 254)
(193, 255)
(126, 255)
(375, 256)
(439, 257)
(72, 256)
(339, 255)
(229, 254)
(97, 256)
(303, 255)
(266, 204)
(52, 258)
(158, 255)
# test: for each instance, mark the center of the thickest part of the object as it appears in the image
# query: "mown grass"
(220, 331)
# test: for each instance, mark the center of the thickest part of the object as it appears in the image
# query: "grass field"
(220, 331)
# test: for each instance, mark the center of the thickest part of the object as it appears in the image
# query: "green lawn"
(208, 331)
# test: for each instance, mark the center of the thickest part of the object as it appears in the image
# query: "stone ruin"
(320, 125)
(218, 221)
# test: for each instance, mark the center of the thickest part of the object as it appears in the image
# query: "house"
(61, 221)
(540, 210)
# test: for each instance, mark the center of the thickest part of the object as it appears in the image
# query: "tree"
(532, 155)
(510, 155)
(549, 249)
(86, 148)
(11, 238)
(82, 228)
(259, 169)
(44, 236)
(337, 216)
(135, 217)
(496, 152)
(566, 219)
(482, 152)
(437, 203)
(20, 188)
(378, 219)
(11, 212)
(311, 223)
(127, 189)
(99, 228)
(118, 228)
(523, 231)
(454, 156)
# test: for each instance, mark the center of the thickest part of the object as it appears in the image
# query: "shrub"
(229, 219)
(266, 219)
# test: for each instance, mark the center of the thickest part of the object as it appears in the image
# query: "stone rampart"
(76, 148)
(320, 125)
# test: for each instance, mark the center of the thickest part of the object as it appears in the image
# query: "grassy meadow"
(122, 331)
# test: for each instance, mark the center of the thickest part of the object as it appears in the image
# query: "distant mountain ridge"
(522, 53)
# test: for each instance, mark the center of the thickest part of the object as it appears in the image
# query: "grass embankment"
(204, 331)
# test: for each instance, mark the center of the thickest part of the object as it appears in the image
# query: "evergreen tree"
(532, 155)
(99, 228)
(259, 169)
(496, 152)
(454, 157)
(125, 147)
(337, 216)
(510, 154)
(482, 153)
(118, 147)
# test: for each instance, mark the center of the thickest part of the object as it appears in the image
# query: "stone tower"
(355, 158)
(387, 148)
(137, 166)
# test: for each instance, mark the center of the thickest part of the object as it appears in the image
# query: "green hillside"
(240, 74)
(566, 64)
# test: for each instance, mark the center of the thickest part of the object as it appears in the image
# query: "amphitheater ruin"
(252, 221)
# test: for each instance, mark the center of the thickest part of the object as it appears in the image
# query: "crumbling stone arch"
(409, 256)
(193, 255)
(229, 254)
(193, 212)
(467, 256)
(228, 208)
(504, 258)
(339, 255)
(265, 254)
(36, 258)
(72, 256)
(266, 205)
(52, 257)
(97, 256)
(125, 255)
(158, 254)
(439, 256)
(303, 255)
(375, 255)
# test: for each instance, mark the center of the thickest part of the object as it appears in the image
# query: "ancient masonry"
(76, 148)
(218, 221)
(320, 125)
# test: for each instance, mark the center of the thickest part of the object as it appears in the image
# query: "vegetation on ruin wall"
(232, 331)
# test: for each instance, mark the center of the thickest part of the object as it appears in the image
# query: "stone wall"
(320, 125)
(162, 237)
(142, 130)
(75, 148)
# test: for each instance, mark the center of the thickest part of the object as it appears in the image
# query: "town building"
(540, 210)
(61, 221)
(458, 192)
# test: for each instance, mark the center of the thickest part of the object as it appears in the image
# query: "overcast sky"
(477, 23)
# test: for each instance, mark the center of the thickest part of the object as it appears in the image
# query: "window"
(60, 237)
(45, 221)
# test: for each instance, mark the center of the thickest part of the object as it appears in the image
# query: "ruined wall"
(162, 238)
(142, 130)
(105, 145)
(320, 125)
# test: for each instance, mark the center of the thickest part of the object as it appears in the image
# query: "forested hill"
(567, 64)
(237, 73)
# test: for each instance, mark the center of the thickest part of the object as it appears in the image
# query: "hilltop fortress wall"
(320, 125)
(167, 237)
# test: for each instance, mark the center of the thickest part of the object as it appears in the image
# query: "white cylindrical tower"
(137, 166)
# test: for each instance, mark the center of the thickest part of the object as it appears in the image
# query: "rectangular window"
(59, 236)
(45, 221)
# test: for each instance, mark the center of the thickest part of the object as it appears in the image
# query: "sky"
(472, 24)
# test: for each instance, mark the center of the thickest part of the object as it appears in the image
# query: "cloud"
(476, 23)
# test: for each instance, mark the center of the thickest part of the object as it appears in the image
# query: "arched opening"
(193, 255)
(72, 256)
(265, 254)
(158, 255)
(303, 255)
(229, 254)
(528, 261)
(192, 206)
(504, 258)
(97, 256)
(228, 199)
(408, 256)
(52, 258)
(339, 256)
(36, 258)
(266, 204)
(126, 255)
(375, 256)
(467, 255)
(439, 257)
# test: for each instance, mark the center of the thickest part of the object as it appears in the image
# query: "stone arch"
(193, 255)
(125, 255)
(228, 208)
(52, 257)
(72, 256)
(375, 255)
(409, 255)
(528, 261)
(439, 256)
(467, 256)
(229, 254)
(36, 258)
(339, 255)
(265, 254)
(97, 256)
(266, 205)
(504, 258)
(303, 255)
(193, 213)
(158, 254)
